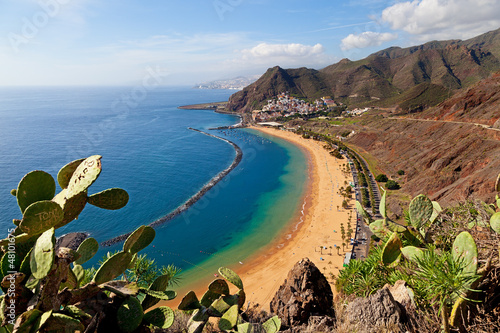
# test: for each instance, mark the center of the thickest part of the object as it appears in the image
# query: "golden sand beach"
(317, 226)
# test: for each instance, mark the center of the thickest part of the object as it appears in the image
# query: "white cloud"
(443, 19)
(285, 55)
(366, 39)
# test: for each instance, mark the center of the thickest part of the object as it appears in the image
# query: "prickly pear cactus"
(42, 257)
(115, 266)
(41, 216)
(45, 280)
(35, 186)
(495, 222)
(231, 276)
(464, 248)
(412, 252)
(112, 199)
(87, 249)
(85, 175)
(391, 254)
(64, 175)
(139, 239)
(229, 319)
(129, 315)
(382, 205)
(272, 325)
(420, 209)
(162, 317)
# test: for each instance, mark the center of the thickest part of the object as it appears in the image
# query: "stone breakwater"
(191, 201)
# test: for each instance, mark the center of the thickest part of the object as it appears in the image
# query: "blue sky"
(92, 42)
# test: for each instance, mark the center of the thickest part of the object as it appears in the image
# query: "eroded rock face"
(305, 293)
(380, 310)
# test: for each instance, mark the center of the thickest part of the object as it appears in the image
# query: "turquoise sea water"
(148, 150)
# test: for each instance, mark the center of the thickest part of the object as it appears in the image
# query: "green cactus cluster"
(218, 302)
(414, 243)
(47, 284)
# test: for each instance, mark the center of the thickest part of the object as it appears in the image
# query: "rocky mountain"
(413, 78)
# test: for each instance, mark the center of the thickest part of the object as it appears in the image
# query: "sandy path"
(318, 225)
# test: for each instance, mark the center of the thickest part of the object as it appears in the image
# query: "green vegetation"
(401, 172)
(218, 302)
(381, 178)
(392, 185)
(436, 254)
(49, 278)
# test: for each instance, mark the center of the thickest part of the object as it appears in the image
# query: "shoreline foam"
(317, 217)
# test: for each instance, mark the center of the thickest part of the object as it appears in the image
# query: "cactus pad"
(412, 252)
(64, 175)
(139, 239)
(245, 328)
(379, 229)
(222, 304)
(87, 249)
(464, 248)
(219, 286)
(208, 298)
(41, 216)
(497, 184)
(129, 315)
(42, 257)
(14, 192)
(159, 284)
(420, 210)
(79, 273)
(391, 254)
(85, 175)
(198, 320)
(166, 295)
(112, 199)
(72, 207)
(229, 318)
(435, 212)
(162, 317)
(113, 267)
(495, 222)
(231, 276)
(35, 186)
(272, 325)
(382, 205)
(27, 320)
(189, 302)
(363, 213)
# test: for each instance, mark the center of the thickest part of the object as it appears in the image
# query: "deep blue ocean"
(149, 151)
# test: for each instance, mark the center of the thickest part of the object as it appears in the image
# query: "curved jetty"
(191, 201)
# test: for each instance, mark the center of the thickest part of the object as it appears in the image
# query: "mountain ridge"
(382, 78)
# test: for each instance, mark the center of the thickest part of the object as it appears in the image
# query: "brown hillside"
(444, 153)
(384, 77)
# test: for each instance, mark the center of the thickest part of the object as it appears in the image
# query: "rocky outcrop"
(379, 311)
(305, 299)
(71, 240)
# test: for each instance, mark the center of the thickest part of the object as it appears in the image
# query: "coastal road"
(448, 121)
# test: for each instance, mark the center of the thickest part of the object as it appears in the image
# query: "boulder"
(305, 294)
(370, 314)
